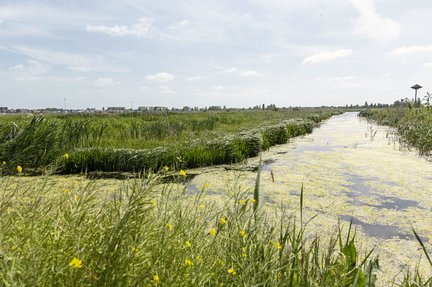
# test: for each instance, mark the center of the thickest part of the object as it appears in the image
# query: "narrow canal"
(351, 169)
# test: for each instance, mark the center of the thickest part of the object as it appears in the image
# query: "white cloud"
(144, 88)
(194, 78)
(160, 77)
(30, 69)
(180, 26)
(327, 56)
(372, 25)
(428, 65)
(230, 70)
(412, 49)
(72, 61)
(249, 73)
(142, 29)
(105, 82)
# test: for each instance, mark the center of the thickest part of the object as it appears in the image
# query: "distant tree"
(366, 104)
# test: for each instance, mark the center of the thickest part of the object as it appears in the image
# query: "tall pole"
(416, 87)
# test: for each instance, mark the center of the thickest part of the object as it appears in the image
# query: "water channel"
(351, 169)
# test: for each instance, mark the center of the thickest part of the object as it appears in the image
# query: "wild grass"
(413, 125)
(147, 234)
(135, 142)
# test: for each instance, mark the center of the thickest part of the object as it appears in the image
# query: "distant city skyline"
(212, 53)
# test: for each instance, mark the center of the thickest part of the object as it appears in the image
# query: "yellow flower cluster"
(223, 220)
(213, 232)
(188, 263)
(169, 226)
(182, 173)
(232, 271)
(75, 263)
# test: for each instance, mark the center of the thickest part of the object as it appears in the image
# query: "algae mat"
(351, 169)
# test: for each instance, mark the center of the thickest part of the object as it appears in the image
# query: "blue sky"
(200, 53)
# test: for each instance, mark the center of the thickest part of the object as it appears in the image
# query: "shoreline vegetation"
(136, 142)
(413, 125)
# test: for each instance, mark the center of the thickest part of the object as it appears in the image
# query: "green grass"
(137, 142)
(148, 234)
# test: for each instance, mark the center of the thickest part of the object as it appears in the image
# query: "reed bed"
(414, 125)
(134, 142)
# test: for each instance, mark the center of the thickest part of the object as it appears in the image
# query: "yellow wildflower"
(253, 200)
(188, 263)
(206, 185)
(278, 246)
(4, 163)
(75, 263)
(182, 173)
(242, 202)
(244, 254)
(166, 168)
(19, 169)
(202, 206)
(136, 251)
(66, 190)
(75, 182)
(212, 232)
(66, 156)
(242, 233)
(169, 226)
(222, 220)
(156, 279)
(232, 271)
(154, 203)
(187, 243)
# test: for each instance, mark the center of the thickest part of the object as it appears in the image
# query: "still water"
(351, 169)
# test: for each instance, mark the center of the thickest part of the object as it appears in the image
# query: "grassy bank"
(134, 142)
(75, 232)
(413, 125)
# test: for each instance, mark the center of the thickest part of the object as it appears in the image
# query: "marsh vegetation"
(328, 209)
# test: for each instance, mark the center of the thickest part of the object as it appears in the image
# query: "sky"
(242, 53)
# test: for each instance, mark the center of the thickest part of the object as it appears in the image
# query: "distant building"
(115, 109)
(3, 109)
(214, 108)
